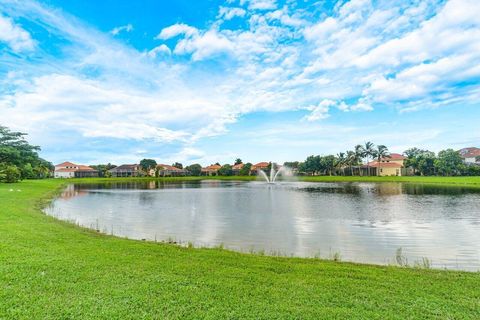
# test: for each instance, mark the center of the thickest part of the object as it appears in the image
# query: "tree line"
(19, 159)
(356, 162)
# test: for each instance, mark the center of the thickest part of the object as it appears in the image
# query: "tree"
(421, 161)
(312, 165)
(245, 171)
(327, 163)
(9, 173)
(291, 165)
(194, 169)
(177, 165)
(369, 152)
(340, 162)
(352, 159)
(147, 164)
(103, 169)
(16, 151)
(27, 172)
(449, 162)
(380, 153)
(426, 163)
(225, 170)
(412, 155)
(366, 151)
(238, 161)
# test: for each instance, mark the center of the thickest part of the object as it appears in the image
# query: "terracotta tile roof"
(72, 167)
(126, 167)
(395, 156)
(469, 152)
(237, 166)
(66, 164)
(213, 167)
(260, 165)
(85, 168)
(169, 168)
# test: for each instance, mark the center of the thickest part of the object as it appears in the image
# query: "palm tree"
(351, 160)
(369, 152)
(361, 154)
(381, 152)
(340, 161)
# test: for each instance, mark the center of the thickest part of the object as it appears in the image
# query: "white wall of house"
(64, 174)
(470, 160)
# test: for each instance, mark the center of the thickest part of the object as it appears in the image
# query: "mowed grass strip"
(473, 182)
(54, 270)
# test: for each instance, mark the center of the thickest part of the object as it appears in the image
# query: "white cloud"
(320, 111)
(176, 30)
(361, 106)
(127, 28)
(260, 4)
(205, 45)
(228, 13)
(15, 36)
(159, 50)
(98, 110)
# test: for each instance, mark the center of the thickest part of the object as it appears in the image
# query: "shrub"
(9, 174)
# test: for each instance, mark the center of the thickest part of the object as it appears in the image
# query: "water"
(364, 222)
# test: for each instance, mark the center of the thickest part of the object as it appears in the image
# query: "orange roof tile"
(66, 164)
(237, 166)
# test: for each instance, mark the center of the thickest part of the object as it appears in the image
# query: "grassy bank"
(454, 181)
(460, 181)
(53, 270)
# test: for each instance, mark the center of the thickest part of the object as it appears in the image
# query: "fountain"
(273, 174)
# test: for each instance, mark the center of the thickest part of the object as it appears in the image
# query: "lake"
(362, 222)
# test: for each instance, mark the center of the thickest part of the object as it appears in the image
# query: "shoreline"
(467, 181)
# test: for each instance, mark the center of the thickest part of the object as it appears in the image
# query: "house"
(388, 166)
(211, 170)
(470, 155)
(236, 168)
(71, 170)
(259, 166)
(125, 170)
(166, 170)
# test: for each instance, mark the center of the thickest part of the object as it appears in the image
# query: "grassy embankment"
(52, 269)
(453, 181)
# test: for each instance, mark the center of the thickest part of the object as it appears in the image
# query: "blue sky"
(207, 81)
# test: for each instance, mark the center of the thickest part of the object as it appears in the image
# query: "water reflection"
(365, 222)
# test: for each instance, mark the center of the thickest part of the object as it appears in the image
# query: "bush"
(225, 170)
(9, 174)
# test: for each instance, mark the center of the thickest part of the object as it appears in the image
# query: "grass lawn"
(454, 181)
(53, 270)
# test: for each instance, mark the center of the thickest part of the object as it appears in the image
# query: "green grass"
(54, 270)
(455, 181)
(459, 181)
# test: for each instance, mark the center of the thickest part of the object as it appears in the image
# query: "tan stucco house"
(388, 166)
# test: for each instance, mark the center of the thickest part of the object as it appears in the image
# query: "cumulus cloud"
(15, 36)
